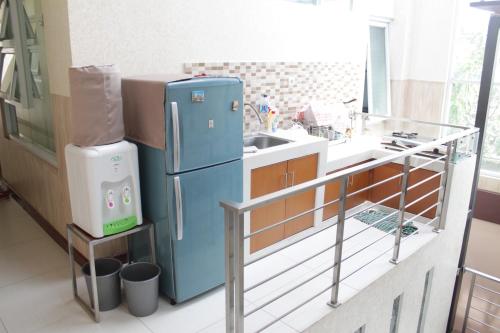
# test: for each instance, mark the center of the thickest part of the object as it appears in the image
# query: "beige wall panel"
(41, 184)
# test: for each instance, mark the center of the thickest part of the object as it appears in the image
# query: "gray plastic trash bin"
(108, 282)
(140, 281)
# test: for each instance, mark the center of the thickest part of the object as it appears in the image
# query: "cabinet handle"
(351, 180)
(286, 180)
(293, 178)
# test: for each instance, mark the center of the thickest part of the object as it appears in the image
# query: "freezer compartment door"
(197, 225)
(204, 123)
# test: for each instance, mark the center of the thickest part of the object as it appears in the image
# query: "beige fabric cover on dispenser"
(97, 110)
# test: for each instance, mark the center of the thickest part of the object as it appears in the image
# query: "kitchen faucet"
(256, 112)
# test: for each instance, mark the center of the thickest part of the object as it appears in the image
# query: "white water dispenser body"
(104, 187)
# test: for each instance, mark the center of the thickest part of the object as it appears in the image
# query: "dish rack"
(326, 132)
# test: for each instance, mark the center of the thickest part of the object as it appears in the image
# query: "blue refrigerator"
(182, 185)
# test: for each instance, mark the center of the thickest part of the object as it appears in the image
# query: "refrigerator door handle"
(178, 207)
(176, 135)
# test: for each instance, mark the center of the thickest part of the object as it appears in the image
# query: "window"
(425, 300)
(463, 85)
(396, 309)
(23, 86)
(377, 98)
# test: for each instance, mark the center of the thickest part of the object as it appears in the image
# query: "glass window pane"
(8, 68)
(378, 70)
(467, 66)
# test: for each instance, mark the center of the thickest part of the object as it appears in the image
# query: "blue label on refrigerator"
(197, 96)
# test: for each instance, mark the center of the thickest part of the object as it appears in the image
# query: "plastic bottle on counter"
(263, 103)
(272, 120)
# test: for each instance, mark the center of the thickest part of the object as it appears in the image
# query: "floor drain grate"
(372, 215)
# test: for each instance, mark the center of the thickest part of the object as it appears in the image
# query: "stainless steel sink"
(263, 141)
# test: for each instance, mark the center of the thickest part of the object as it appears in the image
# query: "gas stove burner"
(405, 135)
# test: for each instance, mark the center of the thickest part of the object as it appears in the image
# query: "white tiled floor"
(36, 296)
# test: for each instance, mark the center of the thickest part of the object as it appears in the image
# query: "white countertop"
(332, 156)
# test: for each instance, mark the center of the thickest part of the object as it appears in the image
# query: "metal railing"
(235, 237)
(485, 303)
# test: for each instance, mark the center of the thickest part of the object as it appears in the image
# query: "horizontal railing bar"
(392, 196)
(424, 154)
(408, 120)
(485, 312)
(289, 219)
(275, 298)
(424, 196)
(481, 274)
(312, 184)
(487, 301)
(289, 268)
(375, 185)
(484, 324)
(488, 289)
(427, 163)
(425, 180)
(254, 260)
(295, 308)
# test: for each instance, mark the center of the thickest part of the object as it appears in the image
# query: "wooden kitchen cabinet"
(394, 186)
(273, 178)
(267, 180)
(388, 188)
(301, 170)
(417, 192)
(364, 179)
(354, 183)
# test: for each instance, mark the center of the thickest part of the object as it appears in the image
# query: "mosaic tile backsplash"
(290, 85)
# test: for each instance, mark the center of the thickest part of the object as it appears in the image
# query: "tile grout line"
(146, 326)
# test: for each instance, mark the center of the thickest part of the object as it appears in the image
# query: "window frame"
(380, 23)
(24, 44)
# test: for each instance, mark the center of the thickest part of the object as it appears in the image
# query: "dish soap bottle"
(263, 104)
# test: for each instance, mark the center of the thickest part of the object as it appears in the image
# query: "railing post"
(442, 191)
(239, 281)
(229, 269)
(469, 300)
(401, 215)
(334, 301)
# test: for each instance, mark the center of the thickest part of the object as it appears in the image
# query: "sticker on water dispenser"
(197, 96)
(126, 195)
(110, 201)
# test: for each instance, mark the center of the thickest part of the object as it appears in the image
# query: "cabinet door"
(355, 183)
(332, 192)
(417, 192)
(266, 180)
(301, 170)
(389, 188)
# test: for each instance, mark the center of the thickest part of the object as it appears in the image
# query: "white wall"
(160, 35)
(421, 39)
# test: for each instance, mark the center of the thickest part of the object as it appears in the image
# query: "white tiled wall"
(291, 85)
